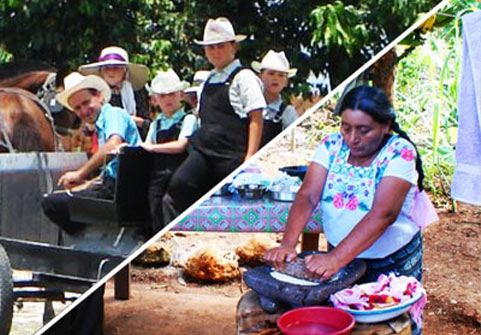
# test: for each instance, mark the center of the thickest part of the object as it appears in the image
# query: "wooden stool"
(251, 319)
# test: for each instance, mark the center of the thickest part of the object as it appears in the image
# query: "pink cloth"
(423, 212)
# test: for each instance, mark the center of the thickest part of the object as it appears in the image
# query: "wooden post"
(309, 242)
(122, 284)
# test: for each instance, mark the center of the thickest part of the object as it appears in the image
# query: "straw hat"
(276, 61)
(75, 82)
(138, 74)
(166, 82)
(199, 78)
(218, 31)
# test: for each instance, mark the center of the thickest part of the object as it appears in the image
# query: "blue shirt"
(115, 121)
(189, 125)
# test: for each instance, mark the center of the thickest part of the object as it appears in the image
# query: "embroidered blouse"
(349, 191)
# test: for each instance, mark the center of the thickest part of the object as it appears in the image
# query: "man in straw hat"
(86, 96)
(126, 81)
(274, 71)
(230, 111)
(169, 136)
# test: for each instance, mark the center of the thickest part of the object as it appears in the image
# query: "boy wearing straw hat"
(274, 71)
(230, 111)
(126, 81)
(86, 96)
(169, 136)
(192, 94)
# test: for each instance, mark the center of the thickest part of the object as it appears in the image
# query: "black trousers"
(55, 205)
(159, 181)
(197, 175)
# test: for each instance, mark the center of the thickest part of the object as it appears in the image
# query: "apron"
(272, 128)
(222, 132)
(163, 167)
(170, 161)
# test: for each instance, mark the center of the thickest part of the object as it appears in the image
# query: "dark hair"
(373, 101)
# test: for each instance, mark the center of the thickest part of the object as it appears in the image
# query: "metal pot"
(251, 191)
(284, 193)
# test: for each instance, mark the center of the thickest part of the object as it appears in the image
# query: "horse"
(27, 93)
(23, 123)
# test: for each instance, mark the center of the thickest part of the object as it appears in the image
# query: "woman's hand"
(278, 255)
(322, 266)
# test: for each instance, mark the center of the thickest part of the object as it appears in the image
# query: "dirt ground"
(165, 302)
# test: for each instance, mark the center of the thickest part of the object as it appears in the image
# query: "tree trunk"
(383, 71)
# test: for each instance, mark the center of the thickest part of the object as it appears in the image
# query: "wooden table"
(252, 320)
(232, 214)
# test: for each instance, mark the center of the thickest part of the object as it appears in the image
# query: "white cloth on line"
(466, 182)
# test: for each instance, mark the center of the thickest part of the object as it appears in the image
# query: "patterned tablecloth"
(231, 214)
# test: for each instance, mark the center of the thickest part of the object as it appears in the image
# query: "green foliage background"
(425, 96)
(316, 34)
(426, 91)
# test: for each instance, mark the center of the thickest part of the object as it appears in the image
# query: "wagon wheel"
(6, 293)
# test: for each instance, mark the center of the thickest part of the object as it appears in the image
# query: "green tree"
(316, 34)
(349, 33)
(66, 33)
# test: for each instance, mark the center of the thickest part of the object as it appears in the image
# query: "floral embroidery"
(352, 203)
(338, 201)
(351, 187)
(407, 154)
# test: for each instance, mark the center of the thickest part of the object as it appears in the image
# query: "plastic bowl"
(316, 320)
(296, 171)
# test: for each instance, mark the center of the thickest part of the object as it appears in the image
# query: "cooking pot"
(251, 191)
(284, 193)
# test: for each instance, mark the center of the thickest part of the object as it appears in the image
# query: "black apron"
(171, 161)
(163, 167)
(272, 128)
(222, 132)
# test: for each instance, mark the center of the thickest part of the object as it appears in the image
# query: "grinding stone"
(274, 291)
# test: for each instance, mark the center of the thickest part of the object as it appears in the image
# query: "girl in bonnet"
(126, 81)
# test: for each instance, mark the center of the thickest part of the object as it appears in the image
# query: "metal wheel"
(6, 293)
